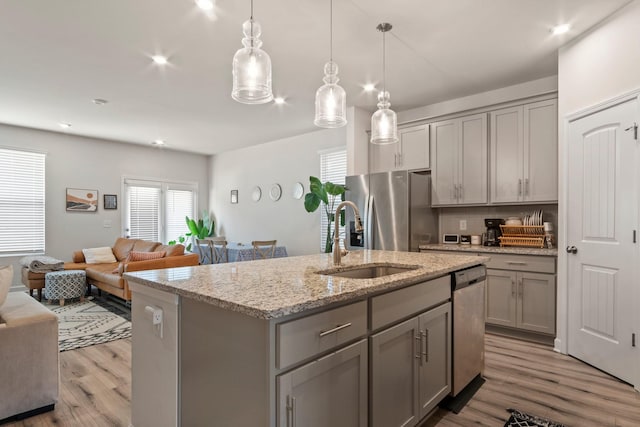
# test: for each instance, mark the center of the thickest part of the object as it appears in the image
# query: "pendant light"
(251, 67)
(331, 99)
(384, 123)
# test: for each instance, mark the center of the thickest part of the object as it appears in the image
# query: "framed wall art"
(81, 200)
(110, 201)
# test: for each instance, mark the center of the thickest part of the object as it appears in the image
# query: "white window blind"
(22, 208)
(333, 168)
(179, 205)
(143, 212)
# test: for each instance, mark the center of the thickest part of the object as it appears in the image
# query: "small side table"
(65, 284)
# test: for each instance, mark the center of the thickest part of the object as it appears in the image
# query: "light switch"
(106, 223)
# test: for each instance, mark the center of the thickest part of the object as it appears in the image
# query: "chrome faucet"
(337, 253)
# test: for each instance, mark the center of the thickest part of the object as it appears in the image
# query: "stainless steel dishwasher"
(468, 288)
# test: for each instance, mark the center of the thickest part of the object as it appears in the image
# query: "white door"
(602, 206)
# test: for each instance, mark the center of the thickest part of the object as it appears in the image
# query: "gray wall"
(284, 162)
(79, 162)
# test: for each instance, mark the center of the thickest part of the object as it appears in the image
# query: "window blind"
(22, 207)
(179, 204)
(333, 168)
(143, 212)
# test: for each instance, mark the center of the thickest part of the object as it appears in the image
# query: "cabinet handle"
(516, 263)
(418, 344)
(519, 187)
(460, 192)
(526, 186)
(399, 157)
(513, 288)
(333, 330)
(520, 291)
(291, 411)
(425, 353)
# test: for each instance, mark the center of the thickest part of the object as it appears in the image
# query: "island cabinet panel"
(411, 368)
(331, 391)
(300, 339)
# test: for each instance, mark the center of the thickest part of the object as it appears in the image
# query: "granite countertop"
(274, 288)
(490, 249)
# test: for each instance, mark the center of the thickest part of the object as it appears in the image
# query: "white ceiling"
(56, 56)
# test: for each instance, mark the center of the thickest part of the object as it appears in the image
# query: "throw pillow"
(99, 255)
(6, 277)
(144, 256)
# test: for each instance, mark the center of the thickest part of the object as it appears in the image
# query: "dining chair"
(263, 249)
(219, 249)
(206, 251)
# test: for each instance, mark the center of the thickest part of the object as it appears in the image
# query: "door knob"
(572, 250)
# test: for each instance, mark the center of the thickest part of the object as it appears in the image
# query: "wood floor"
(96, 389)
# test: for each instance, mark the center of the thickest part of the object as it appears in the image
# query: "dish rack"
(531, 236)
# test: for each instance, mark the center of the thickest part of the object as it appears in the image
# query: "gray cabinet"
(411, 151)
(330, 391)
(411, 368)
(459, 161)
(524, 153)
(520, 299)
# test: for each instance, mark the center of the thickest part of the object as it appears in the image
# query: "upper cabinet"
(524, 153)
(459, 161)
(411, 152)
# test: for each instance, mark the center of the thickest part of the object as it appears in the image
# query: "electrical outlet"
(463, 224)
(106, 223)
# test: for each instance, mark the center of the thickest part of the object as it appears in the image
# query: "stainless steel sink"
(369, 272)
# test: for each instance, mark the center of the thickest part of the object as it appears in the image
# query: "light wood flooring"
(96, 389)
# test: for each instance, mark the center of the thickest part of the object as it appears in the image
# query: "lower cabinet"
(411, 368)
(521, 300)
(330, 391)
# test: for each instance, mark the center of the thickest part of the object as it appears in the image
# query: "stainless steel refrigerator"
(395, 208)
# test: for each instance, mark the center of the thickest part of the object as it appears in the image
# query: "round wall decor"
(275, 192)
(256, 194)
(298, 190)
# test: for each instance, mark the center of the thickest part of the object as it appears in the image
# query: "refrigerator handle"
(368, 242)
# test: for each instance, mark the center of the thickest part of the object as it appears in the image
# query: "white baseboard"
(557, 345)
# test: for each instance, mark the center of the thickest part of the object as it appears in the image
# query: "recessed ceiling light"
(159, 59)
(278, 100)
(370, 87)
(99, 101)
(205, 4)
(159, 142)
(560, 29)
(64, 125)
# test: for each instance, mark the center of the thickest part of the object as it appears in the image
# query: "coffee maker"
(493, 231)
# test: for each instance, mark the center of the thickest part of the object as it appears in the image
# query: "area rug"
(91, 322)
(520, 419)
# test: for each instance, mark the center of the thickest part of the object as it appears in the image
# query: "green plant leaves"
(334, 189)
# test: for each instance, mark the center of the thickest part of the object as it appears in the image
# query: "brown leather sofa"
(108, 277)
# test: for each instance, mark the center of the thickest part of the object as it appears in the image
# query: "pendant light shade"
(384, 122)
(331, 99)
(251, 67)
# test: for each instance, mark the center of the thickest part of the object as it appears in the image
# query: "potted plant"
(199, 229)
(327, 194)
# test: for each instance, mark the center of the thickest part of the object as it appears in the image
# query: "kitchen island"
(274, 343)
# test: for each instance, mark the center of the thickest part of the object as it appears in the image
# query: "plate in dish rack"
(275, 192)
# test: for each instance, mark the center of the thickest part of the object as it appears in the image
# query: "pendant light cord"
(331, 30)
(251, 22)
(384, 64)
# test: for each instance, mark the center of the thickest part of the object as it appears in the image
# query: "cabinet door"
(414, 147)
(472, 171)
(394, 375)
(501, 297)
(536, 305)
(541, 151)
(444, 164)
(506, 155)
(331, 391)
(435, 357)
(384, 157)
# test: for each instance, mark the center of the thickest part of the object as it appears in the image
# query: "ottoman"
(65, 284)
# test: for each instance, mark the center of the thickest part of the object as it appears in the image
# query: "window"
(333, 168)
(155, 210)
(21, 202)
